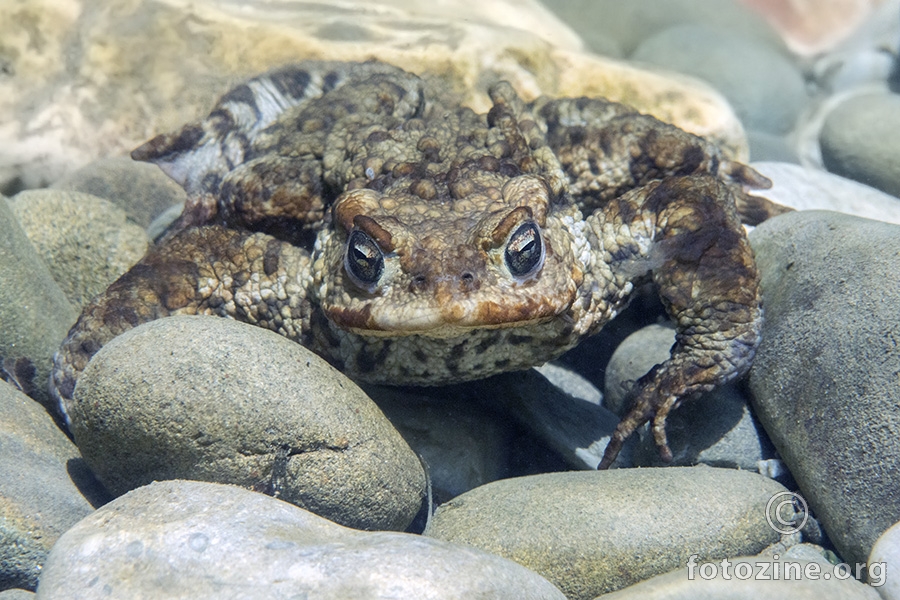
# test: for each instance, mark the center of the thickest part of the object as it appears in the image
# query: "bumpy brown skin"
(406, 240)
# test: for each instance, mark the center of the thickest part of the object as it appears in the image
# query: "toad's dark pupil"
(364, 260)
(524, 252)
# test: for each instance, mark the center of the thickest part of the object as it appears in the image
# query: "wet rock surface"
(824, 382)
(40, 497)
(591, 533)
(715, 429)
(85, 241)
(203, 540)
(216, 400)
(34, 312)
(142, 190)
(83, 83)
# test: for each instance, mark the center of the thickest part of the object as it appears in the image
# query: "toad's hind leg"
(686, 231)
(251, 277)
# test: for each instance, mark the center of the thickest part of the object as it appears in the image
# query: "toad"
(408, 240)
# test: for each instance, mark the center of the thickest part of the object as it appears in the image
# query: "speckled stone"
(38, 498)
(186, 539)
(824, 382)
(142, 190)
(594, 532)
(86, 242)
(212, 399)
(34, 313)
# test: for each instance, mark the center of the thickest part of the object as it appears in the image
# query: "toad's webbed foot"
(686, 231)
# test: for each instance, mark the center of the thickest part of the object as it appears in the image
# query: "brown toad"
(410, 241)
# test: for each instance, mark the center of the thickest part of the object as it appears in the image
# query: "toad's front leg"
(251, 277)
(686, 232)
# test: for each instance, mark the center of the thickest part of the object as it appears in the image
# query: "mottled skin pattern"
(410, 241)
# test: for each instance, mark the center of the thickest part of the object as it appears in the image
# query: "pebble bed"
(487, 489)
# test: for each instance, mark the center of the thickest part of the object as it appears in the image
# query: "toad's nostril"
(419, 283)
(468, 282)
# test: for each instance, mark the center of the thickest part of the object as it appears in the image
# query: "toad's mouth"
(450, 320)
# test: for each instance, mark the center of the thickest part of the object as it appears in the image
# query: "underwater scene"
(349, 299)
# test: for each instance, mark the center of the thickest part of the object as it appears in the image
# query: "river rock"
(186, 539)
(824, 381)
(576, 428)
(854, 143)
(750, 578)
(39, 500)
(86, 242)
(17, 594)
(594, 532)
(715, 429)
(142, 190)
(462, 444)
(804, 188)
(766, 89)
(884, 563)
(35, 315)
(812, 27)
(212, 399)
(627, 24)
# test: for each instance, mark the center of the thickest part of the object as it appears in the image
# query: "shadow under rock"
(87, 483)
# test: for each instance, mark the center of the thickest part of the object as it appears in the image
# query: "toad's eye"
(525, 251)
(363, 260)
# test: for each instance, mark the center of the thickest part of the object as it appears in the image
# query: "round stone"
(86, 242)
(855, 142)
(190, 539)
(594, 532)
(212, 399)
(766, 90)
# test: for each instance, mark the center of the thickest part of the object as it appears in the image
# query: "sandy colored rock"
(86, 242)
(90, 81)
(34, 312)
